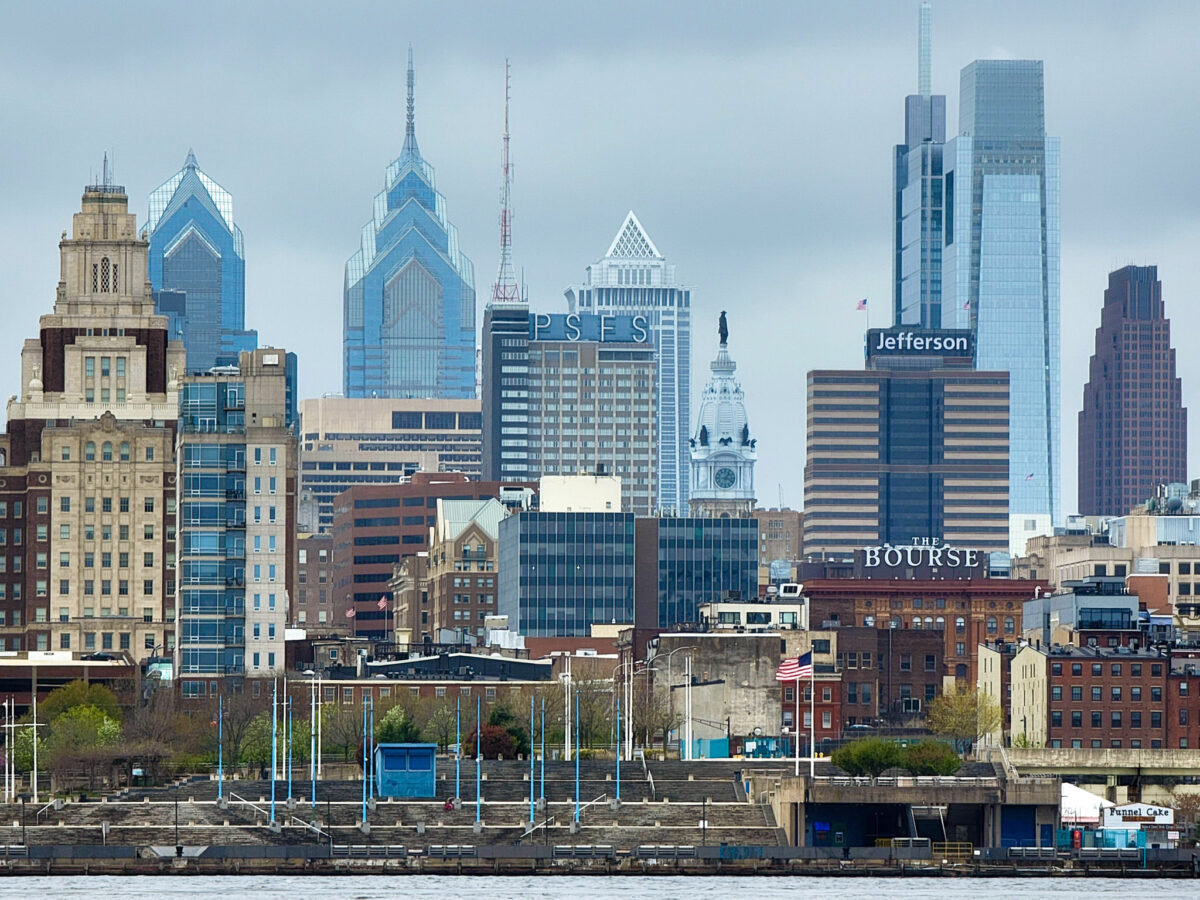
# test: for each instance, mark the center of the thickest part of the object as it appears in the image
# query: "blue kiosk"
(406, 770)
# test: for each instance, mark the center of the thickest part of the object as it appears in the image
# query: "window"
(1076, 718)
(1056, 718)
(1097, 693)
(148, 504)
(930, 662)
(905, 662)
(124, 451)
(1116, 718)
(1056, 693)
(106, 452)
(1076, 668)
(1097, 718)
(1076, 692)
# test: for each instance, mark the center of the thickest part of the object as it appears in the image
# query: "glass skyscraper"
(919, 200)
(1000, 268)
(197, 267)
(409, 303)
(633, 278)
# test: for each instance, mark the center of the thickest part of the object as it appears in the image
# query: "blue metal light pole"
(618, 748)
(312, 744)
(530, 759)
(478, 756)
(576, 757)
(542, 789)
(371, 750)
(364, 763)
(457, 746)
(290, 735)
(220, 747)
(274, 732)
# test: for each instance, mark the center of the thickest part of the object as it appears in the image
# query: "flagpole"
(798, 724)
(812, 723)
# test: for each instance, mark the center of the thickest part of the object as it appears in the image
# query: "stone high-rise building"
(1133, 425)
(87, 467)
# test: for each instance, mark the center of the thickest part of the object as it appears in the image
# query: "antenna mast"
(505, 289)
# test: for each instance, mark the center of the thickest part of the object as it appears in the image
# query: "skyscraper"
(237, 521)
(919, 198)
(409, 303)
(913, 449)
(633, 278)
(197, 267)
(1133, 425)
(723, 453)
(505, 393)
(87, 465)
(1000, 268)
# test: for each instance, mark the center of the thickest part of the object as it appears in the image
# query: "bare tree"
(342, 728)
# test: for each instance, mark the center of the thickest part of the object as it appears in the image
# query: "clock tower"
(723, 453)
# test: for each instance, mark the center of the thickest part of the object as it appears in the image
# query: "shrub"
(871, 756)
(931, 758)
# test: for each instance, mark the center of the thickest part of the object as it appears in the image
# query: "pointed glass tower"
(723, 453)
(409, 303)
(633, 278)
(197, 267)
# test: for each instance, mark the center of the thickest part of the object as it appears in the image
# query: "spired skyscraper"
(1133, 425)
(1000, 268)
(409, 303)
(919, 198)
(633, 278)
(198, 268)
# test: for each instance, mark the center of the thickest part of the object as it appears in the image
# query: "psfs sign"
(604, 328)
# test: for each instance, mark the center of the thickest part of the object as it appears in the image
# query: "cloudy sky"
(753, 139)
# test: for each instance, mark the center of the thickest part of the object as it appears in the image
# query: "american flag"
(791, 669)
(382, 602)
(862, 304)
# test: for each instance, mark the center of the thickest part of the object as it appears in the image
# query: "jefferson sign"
(930, 552)
(894, 342)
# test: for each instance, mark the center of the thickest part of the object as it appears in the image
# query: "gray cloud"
(753, 140)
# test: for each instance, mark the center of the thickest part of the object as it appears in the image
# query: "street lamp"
(670, 689)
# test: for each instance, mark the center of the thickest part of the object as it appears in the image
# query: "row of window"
(1135, 669)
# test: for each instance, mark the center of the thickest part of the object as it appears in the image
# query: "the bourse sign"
(922, 552)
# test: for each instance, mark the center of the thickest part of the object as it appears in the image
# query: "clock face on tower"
(725, 477)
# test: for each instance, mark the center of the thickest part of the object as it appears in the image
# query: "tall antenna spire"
(925, 50)
(410, 128)
(505, 289)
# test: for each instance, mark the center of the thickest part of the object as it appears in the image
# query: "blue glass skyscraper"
(919, 199)
(1000, 267)
(409, 302)
(197, 267)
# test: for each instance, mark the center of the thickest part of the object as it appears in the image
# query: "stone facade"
(87, 472)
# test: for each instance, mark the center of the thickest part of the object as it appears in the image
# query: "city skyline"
(794, 282)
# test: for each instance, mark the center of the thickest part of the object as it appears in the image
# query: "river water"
(555, 887)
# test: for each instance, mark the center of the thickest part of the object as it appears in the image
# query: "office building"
(198, 267)
(723, 453)
(359, 441)
(1133, 425)
(588, 392)
(561, 573)
(375, 527)
(915, 447)
(781, 535)
(237, 521)
(462, 567)
(634, 279)
(409, 301)
(87, 470)
(1000, 268)
(919, 198)
(312, 608)
(948, 590)
(505, 395)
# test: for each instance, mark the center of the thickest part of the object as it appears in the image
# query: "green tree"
(501, 715)
(871, 756)
(79, 693)
(439, 724)
(963, 715)
(396, 727)
(931, 758)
